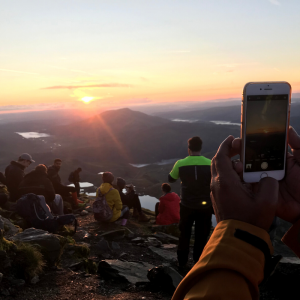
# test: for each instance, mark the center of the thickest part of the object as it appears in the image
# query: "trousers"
(202, 220)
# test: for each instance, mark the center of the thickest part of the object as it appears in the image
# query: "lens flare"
(87, 99)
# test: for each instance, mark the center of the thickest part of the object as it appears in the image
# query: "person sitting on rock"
(131, 199)
(75, 179)
(37, 182)
(14, 174)
(59, 188)
(168, 208)
(113, 198)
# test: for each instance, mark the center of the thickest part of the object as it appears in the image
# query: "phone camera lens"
(260, 89)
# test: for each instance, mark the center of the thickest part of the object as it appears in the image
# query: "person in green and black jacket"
(195, 206)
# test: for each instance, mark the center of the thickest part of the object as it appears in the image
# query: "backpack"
(71, 177)
(102, 211)
(36, 212)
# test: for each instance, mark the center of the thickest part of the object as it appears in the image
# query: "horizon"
(102, 55)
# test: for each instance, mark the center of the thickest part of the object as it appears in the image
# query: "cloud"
(21, 72)
(274, 2)
(72, 87)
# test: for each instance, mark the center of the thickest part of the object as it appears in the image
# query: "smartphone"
(264, 129)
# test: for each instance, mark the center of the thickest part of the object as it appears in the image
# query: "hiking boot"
(143, 218)
(135, 214)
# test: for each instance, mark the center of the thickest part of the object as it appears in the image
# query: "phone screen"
(266, 119)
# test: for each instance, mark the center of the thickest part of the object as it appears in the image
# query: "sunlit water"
(225, 123)
(186, 121)
(83, 184)
(32, 135)
(160, 163)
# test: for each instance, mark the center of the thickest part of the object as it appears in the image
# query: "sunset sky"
(118, 53)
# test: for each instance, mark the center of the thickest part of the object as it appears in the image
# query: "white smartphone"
(264, 129)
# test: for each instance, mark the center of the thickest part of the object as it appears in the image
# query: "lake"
(187, 121)
(225, 123)
(33, 135)
(160, 163)
(83, 184)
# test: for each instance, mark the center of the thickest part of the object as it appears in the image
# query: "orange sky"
(123, 53)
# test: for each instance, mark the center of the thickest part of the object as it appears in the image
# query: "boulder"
(103, 246)
(152, 241)
(51, 245)
(84, 213)
(164, 276)
(115, 246)
(131, 272)
(1, 276)
(168, 246)
(166, 238)
(8, 227)
(114, 234)
(164, 254)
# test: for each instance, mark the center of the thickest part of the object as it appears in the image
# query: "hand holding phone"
(265, 121)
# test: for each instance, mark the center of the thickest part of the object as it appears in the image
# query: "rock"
(103, 246)
(165, 276)
(115, 246)
(168, 229)
(168, 246)
(290, 260)
(166, 238)
(17, 282)
(1, 276)
(81, 235)
(35, 279)
(152, 241)
(131, 272)
(77, 266)
(5, 292)
(114, 234)
(164, 254)
(9, 228)
(84, 213)
(138, 240)
(51, 245)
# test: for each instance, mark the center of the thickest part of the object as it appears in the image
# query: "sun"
(87, 99)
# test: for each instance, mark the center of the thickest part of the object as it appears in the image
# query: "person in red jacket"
(167, 209)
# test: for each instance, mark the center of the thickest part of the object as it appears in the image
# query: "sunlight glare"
(87, 99)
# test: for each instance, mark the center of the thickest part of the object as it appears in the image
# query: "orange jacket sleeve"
(228, 269)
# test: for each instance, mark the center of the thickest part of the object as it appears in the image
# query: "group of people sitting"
(121, 197)
(40, 181)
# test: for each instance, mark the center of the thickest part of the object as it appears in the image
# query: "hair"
(41, 168)
(166, 187)
(108, 177)
(195, 144)
(21, 159)
(57, 160)
(79, 169)
(130, 187)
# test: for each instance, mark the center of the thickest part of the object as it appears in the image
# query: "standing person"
(113, 198)
(59, 188)
(14, 174)
(168, 207)
(37, 182)
(195, 206)
(75, 178)
(131, 199)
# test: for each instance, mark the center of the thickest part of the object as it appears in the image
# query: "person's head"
(108, 177)
(129, 188)
(194, 145)
(79, 170)
(41, 168)
(166, 188)
(121, 183)
(25, 159)
(57, 163)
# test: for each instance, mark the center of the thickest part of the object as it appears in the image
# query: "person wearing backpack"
(75, 179)
(112, 198)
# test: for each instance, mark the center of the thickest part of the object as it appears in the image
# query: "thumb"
(268, 190)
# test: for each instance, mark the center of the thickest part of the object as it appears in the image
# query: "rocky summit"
(103, 261)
